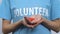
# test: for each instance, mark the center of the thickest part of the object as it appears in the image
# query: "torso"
(21, 8)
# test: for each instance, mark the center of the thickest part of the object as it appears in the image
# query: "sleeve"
(55, 9)
(5, 10)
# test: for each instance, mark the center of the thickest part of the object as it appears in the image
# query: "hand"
(26, 21)
(38, 19)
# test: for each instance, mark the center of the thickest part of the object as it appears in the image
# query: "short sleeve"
(55, 9)
(5, 10)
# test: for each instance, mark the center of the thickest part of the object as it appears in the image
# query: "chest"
(20, 8)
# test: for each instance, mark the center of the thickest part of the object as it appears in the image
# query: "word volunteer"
(31, 11)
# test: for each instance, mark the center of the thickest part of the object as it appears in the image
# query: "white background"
(52, 32)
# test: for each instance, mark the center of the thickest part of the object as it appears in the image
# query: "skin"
(54, 25)
(8, 27)
(51, 24)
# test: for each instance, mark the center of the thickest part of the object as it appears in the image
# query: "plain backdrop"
(52, 32)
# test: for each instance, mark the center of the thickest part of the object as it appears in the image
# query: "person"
(45, 12)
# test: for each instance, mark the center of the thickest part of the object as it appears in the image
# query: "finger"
(38, 23)
(26, 18)
(36, 20)
(30, 26)
(28, 21)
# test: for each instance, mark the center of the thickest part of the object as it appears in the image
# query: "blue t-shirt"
(55, 9)
(16, 10)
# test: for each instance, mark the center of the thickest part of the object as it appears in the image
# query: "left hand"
(38, 20)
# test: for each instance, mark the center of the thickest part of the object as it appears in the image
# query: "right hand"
(25, 23)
